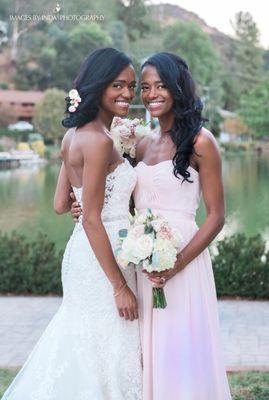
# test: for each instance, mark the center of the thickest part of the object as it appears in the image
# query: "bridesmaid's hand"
(76, 210)
(159, 279)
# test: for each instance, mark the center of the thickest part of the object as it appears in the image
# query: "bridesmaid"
(181, 349)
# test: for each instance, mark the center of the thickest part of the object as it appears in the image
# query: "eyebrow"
(123, 81)
(142, 83)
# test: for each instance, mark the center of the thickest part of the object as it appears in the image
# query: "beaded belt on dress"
(107, 219)
(163, 211)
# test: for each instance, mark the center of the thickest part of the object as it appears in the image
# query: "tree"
(19, 27)
(246, 62)
(72, 48)
(49, 113)
(254, 108)
(135, 17)
(54, 56)
(189, 41)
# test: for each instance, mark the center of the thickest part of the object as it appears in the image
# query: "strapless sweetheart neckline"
(165, 161)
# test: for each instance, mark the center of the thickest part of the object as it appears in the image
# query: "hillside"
(167, 14)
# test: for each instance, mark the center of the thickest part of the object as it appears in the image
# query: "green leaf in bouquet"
(131, 218)
(123, 233)
(148, 229)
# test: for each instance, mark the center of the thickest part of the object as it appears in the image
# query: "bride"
(91, 348)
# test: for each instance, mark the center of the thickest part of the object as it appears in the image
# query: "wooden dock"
(8, 161)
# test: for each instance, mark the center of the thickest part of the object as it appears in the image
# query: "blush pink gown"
(182, 359)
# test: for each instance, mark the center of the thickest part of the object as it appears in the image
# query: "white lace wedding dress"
(87, 351)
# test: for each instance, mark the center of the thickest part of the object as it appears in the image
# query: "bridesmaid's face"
(155, 96)
(119, 94)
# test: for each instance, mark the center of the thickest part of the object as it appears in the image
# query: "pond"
(26, 198)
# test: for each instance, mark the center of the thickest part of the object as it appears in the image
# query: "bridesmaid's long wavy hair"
(187, 107)
(97, 72)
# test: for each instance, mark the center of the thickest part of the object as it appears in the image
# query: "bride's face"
(155, 96)
(119, 94)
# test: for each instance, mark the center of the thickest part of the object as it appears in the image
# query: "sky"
(219, 13)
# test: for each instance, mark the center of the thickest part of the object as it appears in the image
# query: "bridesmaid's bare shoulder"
(205, 142)
(206, 147)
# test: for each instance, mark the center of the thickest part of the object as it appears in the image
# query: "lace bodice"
(119, 186)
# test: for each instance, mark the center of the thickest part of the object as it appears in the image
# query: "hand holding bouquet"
(149, 244)
(126, 133)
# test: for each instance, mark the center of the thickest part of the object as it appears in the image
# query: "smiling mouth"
(121, 103)
(155, 104)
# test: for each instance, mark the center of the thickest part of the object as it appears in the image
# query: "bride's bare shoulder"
(93, 141)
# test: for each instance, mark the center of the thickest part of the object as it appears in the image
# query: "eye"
(161, 86)
(117, 85)
(144, 88)
(133, 86)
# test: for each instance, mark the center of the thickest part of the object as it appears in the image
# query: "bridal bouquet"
(149, 244)
(126, 133)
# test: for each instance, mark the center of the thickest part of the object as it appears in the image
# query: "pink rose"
(165, 232)
(71, 109)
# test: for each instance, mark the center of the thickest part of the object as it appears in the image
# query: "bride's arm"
(97, 152)
(62, 201)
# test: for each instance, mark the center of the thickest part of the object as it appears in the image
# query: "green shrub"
(241, 267)
(29, 267)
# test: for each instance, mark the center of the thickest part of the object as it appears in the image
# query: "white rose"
(128, 246)
(141, 219)
(73, 94)
(137, 231)
(118, 144)
(143, 247)
(121, 260)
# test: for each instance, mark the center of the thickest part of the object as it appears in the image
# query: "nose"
(152, 93)
(128, 93)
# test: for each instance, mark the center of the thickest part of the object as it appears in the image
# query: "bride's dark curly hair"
(187, 107)
(97, 72)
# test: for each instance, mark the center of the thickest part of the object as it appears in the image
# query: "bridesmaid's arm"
(208, 162)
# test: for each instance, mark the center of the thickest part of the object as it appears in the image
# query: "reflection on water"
(26, 196)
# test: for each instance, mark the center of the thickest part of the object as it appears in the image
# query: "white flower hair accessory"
(74, 100)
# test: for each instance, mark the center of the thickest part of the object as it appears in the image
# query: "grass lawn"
(249, 385)
(244, 385)
(6, 376)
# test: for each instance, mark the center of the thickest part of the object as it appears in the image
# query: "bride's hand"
(126, 303)
(76, 210)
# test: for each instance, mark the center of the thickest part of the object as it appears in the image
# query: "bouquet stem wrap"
(159, 300)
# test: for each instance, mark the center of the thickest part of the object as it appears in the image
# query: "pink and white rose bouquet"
(149, 244)
(127, 132)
